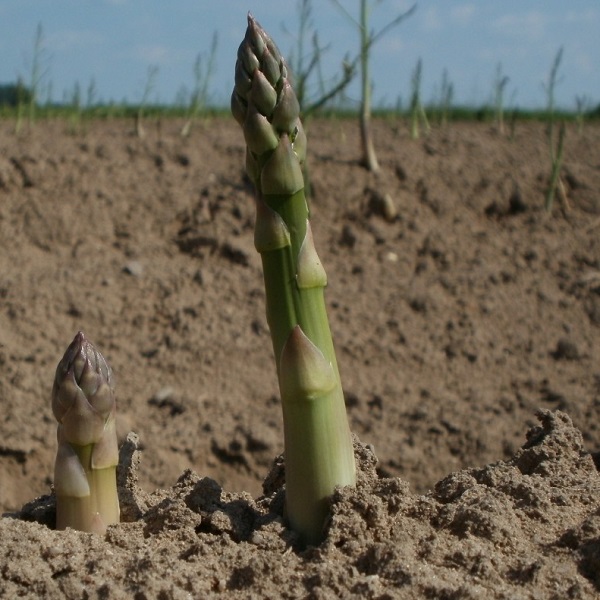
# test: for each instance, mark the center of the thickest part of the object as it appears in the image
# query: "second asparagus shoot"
(83, 402)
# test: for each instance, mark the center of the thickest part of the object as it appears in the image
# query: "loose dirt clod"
(525, 526)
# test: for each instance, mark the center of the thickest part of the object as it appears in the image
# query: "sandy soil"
(457, 320)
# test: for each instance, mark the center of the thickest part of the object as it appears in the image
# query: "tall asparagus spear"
(318, 446)
(83, 402)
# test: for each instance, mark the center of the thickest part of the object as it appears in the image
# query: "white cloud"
(585, 16)
(393, 44)
(69, 40)
(584, 62)
(398, 6)
(432, 21)
(531, 24)
(462, 14)
(156, 54)
(507, 53)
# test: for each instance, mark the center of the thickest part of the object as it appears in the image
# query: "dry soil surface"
(467, 325)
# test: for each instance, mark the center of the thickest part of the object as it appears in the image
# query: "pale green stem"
(98, 509)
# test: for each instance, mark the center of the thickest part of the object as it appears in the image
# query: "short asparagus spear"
(83, 402)
(318, 445)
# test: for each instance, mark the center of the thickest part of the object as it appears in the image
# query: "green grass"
(454, 113)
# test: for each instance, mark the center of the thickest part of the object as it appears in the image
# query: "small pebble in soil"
(347, 237)
(565, 350)
(134, 267)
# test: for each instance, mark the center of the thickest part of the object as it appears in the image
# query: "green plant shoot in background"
(367, 39)
(417, 111)
(556, 148)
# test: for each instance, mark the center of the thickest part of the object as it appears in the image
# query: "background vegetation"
(31, 96)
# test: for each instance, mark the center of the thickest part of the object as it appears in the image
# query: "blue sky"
(114, 43)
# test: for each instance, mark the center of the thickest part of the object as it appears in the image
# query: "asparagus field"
(466, 321)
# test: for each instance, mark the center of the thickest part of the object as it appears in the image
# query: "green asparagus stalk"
(556, 158)
(318, 445)
(83, 402)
